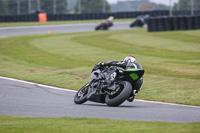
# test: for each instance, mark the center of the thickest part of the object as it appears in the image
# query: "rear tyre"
(110, 24)
(81, 95)
(122, 95)
(105, 27)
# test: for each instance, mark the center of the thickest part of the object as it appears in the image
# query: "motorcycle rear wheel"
(122, 95)
(81, 95)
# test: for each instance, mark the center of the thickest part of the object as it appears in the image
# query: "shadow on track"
(104, 105)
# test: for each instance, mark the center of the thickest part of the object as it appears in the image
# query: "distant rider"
(143, 19)
(109, 21)
(129, 62)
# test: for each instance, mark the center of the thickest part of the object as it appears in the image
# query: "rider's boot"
(132, 97)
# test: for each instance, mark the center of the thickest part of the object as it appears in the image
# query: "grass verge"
(14, 24)
(171, 60)
(89, 125)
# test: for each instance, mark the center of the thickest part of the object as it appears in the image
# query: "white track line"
(41, 85)
(174, 104)
(44, 26)
(63, 89)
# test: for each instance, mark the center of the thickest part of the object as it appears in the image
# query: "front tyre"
(81, 95)
(123, 94)
(98, 27)
(132, 24)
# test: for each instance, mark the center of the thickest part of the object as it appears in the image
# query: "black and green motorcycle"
(111, 85)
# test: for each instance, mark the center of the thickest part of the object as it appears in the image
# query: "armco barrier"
(91, 16)
(183, 23)
(173, 23)
(190, 22)
(197, 22)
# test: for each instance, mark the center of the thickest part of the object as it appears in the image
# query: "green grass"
(171, 60)
(13, 24)
(90, 125)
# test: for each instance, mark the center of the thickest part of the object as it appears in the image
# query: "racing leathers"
(126, 65)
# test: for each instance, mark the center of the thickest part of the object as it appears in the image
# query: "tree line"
(14, 7)
(186, 5)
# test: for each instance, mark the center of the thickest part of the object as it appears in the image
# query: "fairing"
(134, 74)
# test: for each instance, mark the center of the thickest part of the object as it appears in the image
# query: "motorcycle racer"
(129, 62)
(110, 19)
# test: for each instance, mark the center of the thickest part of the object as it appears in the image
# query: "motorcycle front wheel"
(81, 95)
(132, 24)
(98, 27)
(122, 94)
